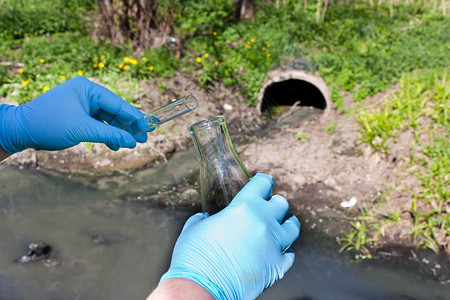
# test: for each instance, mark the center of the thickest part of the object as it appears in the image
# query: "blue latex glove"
(71, 113)
(242, 250)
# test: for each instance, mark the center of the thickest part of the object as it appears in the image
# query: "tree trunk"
(245, 9)
(319, 8)
(133, 20)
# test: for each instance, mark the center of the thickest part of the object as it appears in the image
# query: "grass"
(301, 136)
(420, 105)
(331, 127)
(49, 61)
(357, 49)
(20, 19)
(421, 101)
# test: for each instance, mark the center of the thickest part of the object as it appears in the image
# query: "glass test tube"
(161, 115)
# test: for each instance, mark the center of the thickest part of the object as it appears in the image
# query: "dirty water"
(114, 241)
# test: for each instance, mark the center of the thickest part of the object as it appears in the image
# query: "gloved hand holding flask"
(242, 250)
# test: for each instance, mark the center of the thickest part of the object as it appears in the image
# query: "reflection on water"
(104, 248)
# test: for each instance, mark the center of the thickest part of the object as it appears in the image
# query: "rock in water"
(36, 251)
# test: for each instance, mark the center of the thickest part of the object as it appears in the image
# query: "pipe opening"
(288, 92)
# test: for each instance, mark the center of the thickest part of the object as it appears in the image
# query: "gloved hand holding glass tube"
(76, 111)
(73, 112)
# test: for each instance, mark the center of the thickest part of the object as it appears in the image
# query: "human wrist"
(180, 288)
(200, 280)
(11, 131)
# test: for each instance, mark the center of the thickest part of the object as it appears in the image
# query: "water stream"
(105, 247)
(112, 239)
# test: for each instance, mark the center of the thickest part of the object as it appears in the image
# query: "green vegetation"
(89, 145)
(421, 106)
(420, 102)
(21, 18)
(331, 126)
(359, 49)
(359, 236)
(356, 49)
(301, 136)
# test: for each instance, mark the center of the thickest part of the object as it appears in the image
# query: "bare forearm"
(4, 154)
(180, 289)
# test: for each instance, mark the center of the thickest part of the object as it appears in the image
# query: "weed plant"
(421, 105)
(20, 18)
(358, 49)
(49, 61)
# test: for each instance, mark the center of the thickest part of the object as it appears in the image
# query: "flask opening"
(207, 124)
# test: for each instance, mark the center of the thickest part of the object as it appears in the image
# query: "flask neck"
(212, 140)
(211, 137)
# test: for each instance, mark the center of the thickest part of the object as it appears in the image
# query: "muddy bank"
(331, 177)
(327, 174)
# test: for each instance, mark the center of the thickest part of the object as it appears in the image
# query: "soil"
(318, 174)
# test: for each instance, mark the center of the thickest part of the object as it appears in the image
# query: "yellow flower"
(248, 46)
(248, 42)
(144, 58)
(133, 61)
(176, 56)
(63, 77)
(25, 83)
(80, 73)
(120, 66)
(20, 71)
(42, 60)
(105, 60)
(199, 59)
(95, 65)
(268, 45)
(151, 68)
(214, 33)
(263, 48)
(268, 54)
(216, 63)
(103, 56)
(101, 65)
(45, 88)
(126, 59)
(126, 67)
(252, 40)
(206, 54)
(96, 58)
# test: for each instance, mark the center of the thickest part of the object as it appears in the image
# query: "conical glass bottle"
(222, 174)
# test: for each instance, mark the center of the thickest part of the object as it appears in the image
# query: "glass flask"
(222, 174)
